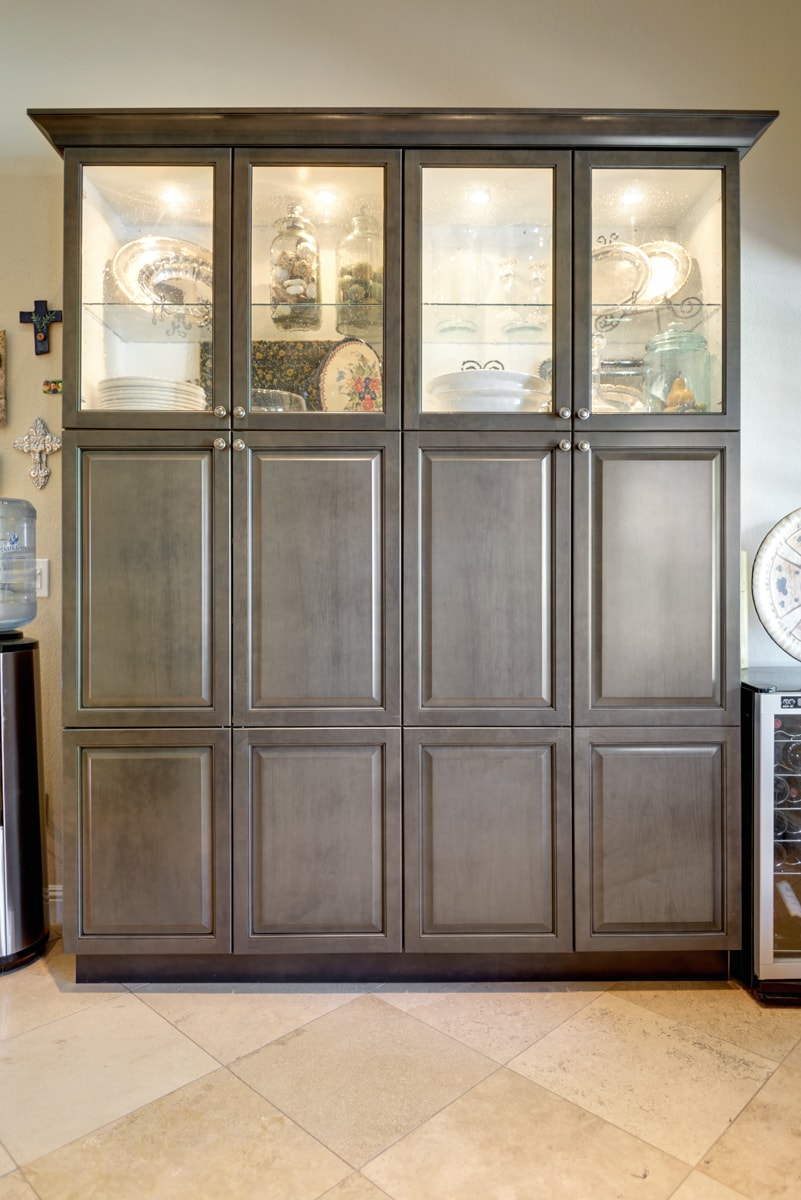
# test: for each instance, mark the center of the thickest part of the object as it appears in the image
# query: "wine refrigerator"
(770, 960)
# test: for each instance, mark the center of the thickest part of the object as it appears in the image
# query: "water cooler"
(24, 923)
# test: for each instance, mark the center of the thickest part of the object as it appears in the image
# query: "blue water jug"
(17, 564)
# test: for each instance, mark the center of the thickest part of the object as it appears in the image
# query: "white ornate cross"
(38, 442)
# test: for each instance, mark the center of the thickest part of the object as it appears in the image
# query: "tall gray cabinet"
(401, 541)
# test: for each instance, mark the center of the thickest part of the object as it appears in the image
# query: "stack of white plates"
(138, 393)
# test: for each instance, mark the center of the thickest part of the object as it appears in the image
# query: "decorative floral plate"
(350, 378)
(776, 583)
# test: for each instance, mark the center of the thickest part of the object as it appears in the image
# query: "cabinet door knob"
(565, 444)
(221, 411)
(583, 446)
(220, 444)
(583, 414)
(238, 444)
(239, 411)
(564, 413)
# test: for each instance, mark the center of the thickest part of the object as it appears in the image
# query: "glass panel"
(787, 836)
(487, 289)
(657, 291)
(146, 287)
(317, 289)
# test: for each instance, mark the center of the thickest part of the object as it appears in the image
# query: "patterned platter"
(776, 583)
(350, 378)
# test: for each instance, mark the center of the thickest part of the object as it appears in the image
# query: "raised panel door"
(656, 571)
(656, 829)
(147, 841)
(487, 578)
(316, 603)
(317, 840)
(148, 592)
(487, 840)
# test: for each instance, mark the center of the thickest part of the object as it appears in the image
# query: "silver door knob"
(238, 444)
(583, 446)
(239, 411)
(221, 411)
(583, 414)
(220, 444)
(565, 444)
(564, 413)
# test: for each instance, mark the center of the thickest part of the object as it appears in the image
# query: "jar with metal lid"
(17, 564)
(295, 273)
(676, 370)
(360, 277)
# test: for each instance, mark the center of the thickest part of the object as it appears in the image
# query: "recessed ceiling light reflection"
(632, 196)
(480, 197)
(173, 197)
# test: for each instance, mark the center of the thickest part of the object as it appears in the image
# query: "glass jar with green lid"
(676, 370)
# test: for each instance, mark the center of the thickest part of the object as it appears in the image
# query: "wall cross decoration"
(38, 442)
(41, 318)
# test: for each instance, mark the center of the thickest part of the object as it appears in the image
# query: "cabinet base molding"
(400, 968)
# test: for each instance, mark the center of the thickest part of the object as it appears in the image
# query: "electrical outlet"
(43, 577)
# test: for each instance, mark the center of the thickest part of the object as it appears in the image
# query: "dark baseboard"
(401, 968)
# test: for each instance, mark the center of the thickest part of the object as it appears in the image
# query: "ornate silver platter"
(620, 273)
(669, 267)
(169, 273)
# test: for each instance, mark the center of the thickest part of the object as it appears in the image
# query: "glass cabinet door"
(482, 268)
(658, 278)
(148, 284)
(322, 271)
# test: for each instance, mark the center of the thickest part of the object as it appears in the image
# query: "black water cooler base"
(24, 920)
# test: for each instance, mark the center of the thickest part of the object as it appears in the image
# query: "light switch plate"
(43, 577)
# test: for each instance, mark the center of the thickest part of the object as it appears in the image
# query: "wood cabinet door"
(656, 827)
(317, 840)
(147, 841)
(656, 580)
(146, 579)
(316, 579)
(486, 588)
(487, 840)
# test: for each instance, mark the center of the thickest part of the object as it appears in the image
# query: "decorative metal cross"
(38, 442)
(41, 318)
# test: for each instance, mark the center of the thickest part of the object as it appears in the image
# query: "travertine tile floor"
(410, 1092)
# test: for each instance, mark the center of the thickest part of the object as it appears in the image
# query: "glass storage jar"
(17, 564)
(295, 273)
(676, 369)
(360, 277)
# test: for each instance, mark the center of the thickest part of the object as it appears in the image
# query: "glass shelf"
(317, 321)
(692, 313)
(523, 324)
(159, 324)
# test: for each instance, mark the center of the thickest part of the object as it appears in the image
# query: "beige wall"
(517, 53)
